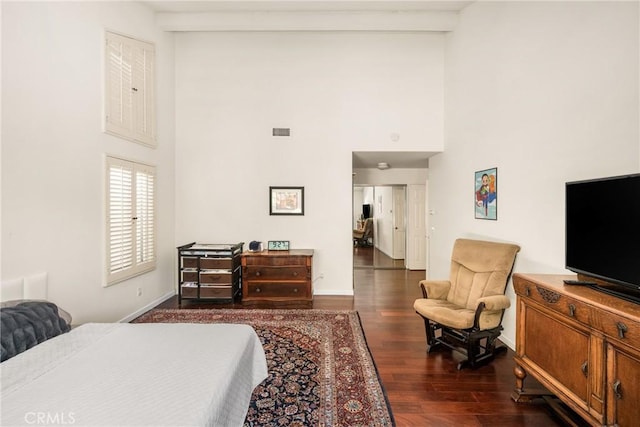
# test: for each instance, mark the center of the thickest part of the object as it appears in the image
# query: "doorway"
(385, 207)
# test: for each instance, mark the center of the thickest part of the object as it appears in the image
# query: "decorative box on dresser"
(209, 271)
(277, 275)
(582, 345)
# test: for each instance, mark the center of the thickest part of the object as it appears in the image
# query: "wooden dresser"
(582, 345)
(277, 275)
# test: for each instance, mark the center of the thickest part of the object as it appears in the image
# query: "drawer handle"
(585, 369)
(258, 290)
(295, 290)
(572, 310)
(617, 390)
(295, 273)
(527, 291)
(258, 273)
(622, 329)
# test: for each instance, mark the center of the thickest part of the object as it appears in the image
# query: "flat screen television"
(366, 211)
(603, 232)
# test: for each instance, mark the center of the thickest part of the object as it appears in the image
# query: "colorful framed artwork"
(286, 200)
(486, 194)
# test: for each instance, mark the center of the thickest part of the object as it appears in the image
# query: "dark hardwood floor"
(423, 390)
(370, 257)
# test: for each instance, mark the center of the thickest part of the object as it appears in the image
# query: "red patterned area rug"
(320, 369)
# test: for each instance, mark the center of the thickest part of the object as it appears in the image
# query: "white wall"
(393, 176)
(367, 198)
(338, 92)
(53, 153)
(547, 92)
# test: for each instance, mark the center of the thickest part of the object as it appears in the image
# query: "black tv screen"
(603, 229)
(366, 211)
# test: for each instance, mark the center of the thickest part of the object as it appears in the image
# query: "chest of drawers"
(277, 275)
(209, 271)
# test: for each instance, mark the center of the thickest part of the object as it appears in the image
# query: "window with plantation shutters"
(131, 230)
(130, 89)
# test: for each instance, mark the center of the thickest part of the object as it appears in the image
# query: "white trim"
(334, 292)
(309, 21)
(147, 307)
(506, 341)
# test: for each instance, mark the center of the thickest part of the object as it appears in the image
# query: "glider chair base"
(479, 346)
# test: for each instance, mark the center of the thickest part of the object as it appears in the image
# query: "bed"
(124, 374)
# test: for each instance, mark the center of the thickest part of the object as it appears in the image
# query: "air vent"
(281, 132)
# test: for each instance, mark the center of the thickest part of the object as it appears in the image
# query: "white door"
(416, 227)
(399, 226)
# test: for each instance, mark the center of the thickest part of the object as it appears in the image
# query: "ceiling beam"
(394, 21)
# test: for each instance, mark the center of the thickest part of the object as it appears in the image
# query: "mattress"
(135, 375)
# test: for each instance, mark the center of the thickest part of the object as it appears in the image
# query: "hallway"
(370, 257)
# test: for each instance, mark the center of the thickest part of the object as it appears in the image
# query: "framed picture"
(286, 200)
(486, 194)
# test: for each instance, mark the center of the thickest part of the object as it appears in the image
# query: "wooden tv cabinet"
(582, 345)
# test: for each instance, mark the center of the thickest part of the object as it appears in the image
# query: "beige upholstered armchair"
(361, 236)
(465, 312)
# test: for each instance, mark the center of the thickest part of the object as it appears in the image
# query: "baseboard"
(507, 342)
(147, 307)
(329, 292)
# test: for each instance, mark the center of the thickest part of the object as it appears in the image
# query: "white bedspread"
(135, 375)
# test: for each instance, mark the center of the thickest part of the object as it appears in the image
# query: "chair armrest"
(435, 289)
(495, 302)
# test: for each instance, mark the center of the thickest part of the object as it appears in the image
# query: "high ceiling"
(360, 160)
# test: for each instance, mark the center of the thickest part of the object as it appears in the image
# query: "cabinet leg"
(519, 395)
(520, 374)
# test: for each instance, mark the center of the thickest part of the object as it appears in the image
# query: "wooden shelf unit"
(209, 272)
